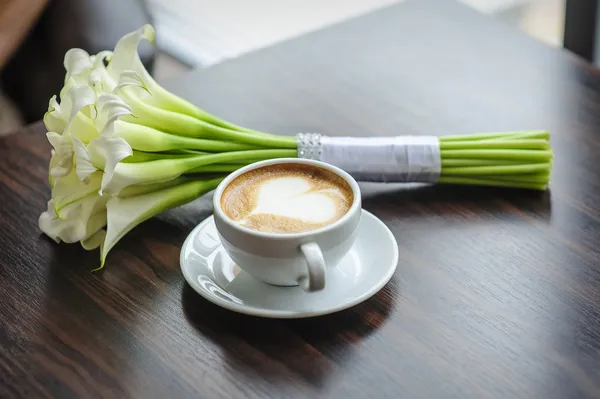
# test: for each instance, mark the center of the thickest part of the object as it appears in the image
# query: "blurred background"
(191, 34)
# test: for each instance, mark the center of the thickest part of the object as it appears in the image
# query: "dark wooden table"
(497, 292)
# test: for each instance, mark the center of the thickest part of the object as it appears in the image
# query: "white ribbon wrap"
(377, 159)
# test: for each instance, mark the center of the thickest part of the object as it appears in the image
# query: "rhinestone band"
(309, 145)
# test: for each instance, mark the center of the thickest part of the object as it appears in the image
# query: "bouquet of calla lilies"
(126, 149)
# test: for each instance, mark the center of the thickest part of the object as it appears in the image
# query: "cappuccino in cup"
(285, 221)
(286, 198)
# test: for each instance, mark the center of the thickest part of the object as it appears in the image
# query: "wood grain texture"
(497, 292)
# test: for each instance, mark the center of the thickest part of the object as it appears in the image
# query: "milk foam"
(292, 197)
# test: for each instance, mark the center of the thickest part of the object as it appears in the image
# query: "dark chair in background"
(36, 71)
(581, 28)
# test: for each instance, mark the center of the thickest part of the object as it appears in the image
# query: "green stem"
(141, 156)
(262, 140)
(144, 138)
(497, 170)
(487, 136)
(479, 162)
(140, 189)
(235, 156)
(543, 135)
(218, 168)
(234, 164)
(522, 155)
(496, 144)
(483, 182)
(540, 178)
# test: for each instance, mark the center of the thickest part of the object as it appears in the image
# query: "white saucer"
(361, 274)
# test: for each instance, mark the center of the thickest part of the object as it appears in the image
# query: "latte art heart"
(286, 198)
(292, 197)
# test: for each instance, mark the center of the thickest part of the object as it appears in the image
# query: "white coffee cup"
(292, 258)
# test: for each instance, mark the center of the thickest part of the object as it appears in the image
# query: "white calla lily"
(63, 154)
(81, 96)
(83, 128)
(48, 222)
(98, 77)
(74, 99)
(130, 78)
(54, 118)
(112, 150)
(70, 189)
(77, 62)
(102, 153)
(125, 56)
(67, 118)
(76, 211)
(78, 221)
(85, 165)
(111, 107)
(126, 213)
(126, 68)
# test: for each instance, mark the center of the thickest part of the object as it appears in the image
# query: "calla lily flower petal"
(96, 240)
(126, 58)
(53, 118)
(63, 154)
(111, 108)
(83, 128)
(114, 149)
(81, 96)
(47, 224)
(84, 166)
(79, 221)
(69, 189)
(76, 62)
(130, 78)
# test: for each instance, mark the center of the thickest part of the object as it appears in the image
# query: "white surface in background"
(205, 32)
(494, 6)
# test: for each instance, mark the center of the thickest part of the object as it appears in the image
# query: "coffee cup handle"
(315, 280)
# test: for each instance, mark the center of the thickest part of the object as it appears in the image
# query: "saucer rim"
(290, 314)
